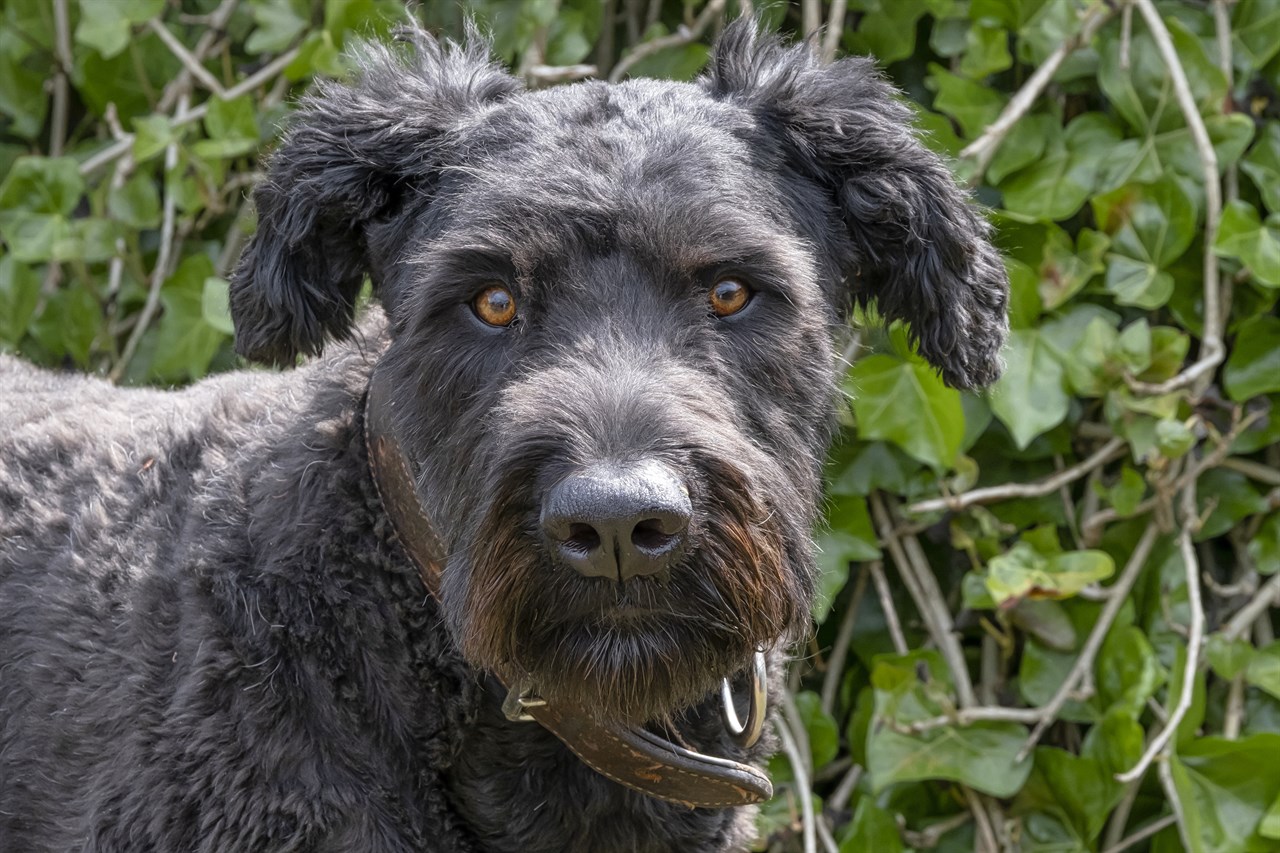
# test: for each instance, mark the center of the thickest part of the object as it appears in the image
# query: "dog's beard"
(645, 649)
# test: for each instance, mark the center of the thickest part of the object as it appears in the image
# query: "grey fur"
(209, 640)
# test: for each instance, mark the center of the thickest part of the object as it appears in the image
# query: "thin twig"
(835, 29)
(61, 87)
(682, 36)
(791, 712)
(189, 61)
(1233, 717)
(876, 569)
(984, 148)
(923, 586)
(1142, 834)
(1113, 449)
(1084, 663)
(980, 714)
(835, 663)
(810, 17)
(1175, 804)
(1267, 596)
(548, 74)
(793, 754)
(982, 821)
(161, 269)
(1212, 351)
(844, 790)
(1190, 525)
(1253, 470)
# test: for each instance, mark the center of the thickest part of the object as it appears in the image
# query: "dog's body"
(210, 636)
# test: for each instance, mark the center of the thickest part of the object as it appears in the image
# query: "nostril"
(648, 536)
(582, 539)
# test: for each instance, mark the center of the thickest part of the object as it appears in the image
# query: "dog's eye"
(729, 296)
(495, 305)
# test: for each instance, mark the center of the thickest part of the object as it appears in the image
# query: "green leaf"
(136, 203)
(907, 403)
(872, 828)
(982, 756)
(1262, 164)
(1055, 187)
(1226, 788)
(1230, 496)
(971, 104)
(1254, 24)
(185, 343)
(22, 96)
(1066, 269)
(986, 51)
(279, 22)
(105, 26)
(1264, 548)
(1151, 226)
(1229, 658)
(848, 537)
(1253, 367)
(36, 200)
(215, 305)
(69, 324)
(1263, 670)
(232, 128)
(1127, 673)
(887, 30)
(1023, 146)
(1024, 572)
(1029, 398)
(824, 735)
(1242, 234)
(19, 295)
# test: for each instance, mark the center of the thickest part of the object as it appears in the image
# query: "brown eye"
(729, 296)
(495, 305)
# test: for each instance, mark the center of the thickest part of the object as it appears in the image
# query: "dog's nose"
(617, 521)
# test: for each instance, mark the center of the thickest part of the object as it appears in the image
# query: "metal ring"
(746, 735)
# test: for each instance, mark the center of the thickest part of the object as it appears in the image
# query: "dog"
(478, 574)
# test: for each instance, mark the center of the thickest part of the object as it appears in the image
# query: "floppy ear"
(915, 243)
(352, 154)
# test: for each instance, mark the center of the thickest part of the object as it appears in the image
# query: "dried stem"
(1084, 663)
(894, 624)
(1212, 351)
(1113, 449)
(1175, 804)
(923, 586)
(1142, 834)
(61, 87)
(682, 36)
(1267, 596)
(792, 750)
(835, 663)
(835, 29)
(984, 148)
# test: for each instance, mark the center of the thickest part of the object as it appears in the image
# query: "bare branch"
(923, 586)
(1084, 663)
(835, 29)
(189, 62)
(1113, 449)
(1142, 834)
(1175, 803)
(984, 148)
(548, 74)
(835, 663)
(1212, 351)
(794, 756)
(1195, 636)
(1267, 596)
(682, 36)
(61, 89)
(894, 624)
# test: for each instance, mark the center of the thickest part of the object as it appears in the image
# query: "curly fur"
(209, 639)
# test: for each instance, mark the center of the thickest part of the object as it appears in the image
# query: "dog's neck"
(630, 756)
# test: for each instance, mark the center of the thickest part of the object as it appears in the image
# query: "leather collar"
(630, 756)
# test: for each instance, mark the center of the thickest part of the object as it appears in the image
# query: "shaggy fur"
(209, 639)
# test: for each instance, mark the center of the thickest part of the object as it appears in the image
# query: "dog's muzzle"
(630, 756)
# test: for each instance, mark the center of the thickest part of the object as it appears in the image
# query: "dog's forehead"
(642, 163)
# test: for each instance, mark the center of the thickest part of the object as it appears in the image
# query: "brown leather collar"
(630, 756)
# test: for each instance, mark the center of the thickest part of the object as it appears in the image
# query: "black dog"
(603, 392)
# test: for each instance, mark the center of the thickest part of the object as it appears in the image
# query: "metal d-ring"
(746, 734)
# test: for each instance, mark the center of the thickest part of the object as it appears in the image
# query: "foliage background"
(1081, 565)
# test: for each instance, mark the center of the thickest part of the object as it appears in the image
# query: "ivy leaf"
(232, 128)
(982, 756)
(1023, 146)
(185, 342)
(279, 22)
(1253, 368)
(1241, 234)
(22, 96)
(1151, 226)
(887, 29)
(905, 402)
(105, 26)
(847, 537)
(1029, 398)
(1264, 549)
(1226, 788)
(36, 201)
(19, 295)
(1056, 186)
(971, 104)
(824, 734)
(1023, 572)
(1229, 658)
(1262, 165)
(1263, 670)
(872, 828)
(1254, 24)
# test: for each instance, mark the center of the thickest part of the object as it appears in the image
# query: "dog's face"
(612, 311)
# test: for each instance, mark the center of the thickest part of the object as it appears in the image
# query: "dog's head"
(612, 311)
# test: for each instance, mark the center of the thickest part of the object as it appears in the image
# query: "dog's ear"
(915, 243)
(351, 154)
